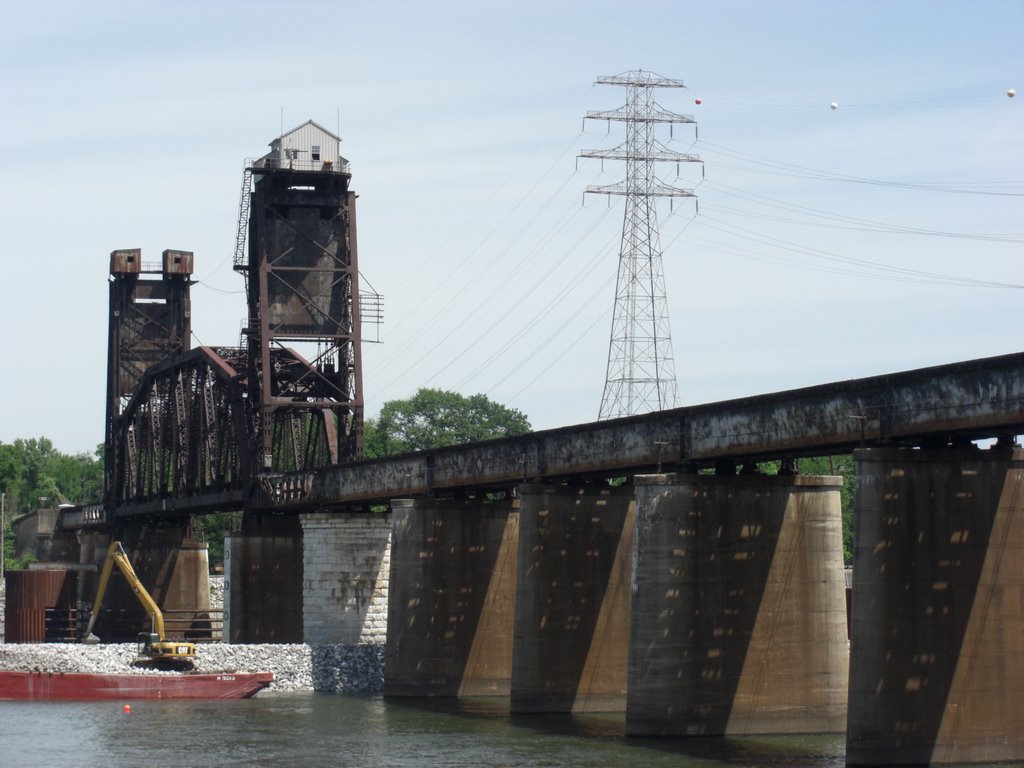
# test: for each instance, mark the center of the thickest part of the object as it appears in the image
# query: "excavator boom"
(153, 645)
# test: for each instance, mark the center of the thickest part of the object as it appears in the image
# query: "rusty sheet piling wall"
(28, 596)
(263, 581)
(937, 641)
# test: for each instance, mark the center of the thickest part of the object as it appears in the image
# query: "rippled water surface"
(308, 729)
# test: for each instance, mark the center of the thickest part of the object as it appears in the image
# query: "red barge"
(59, 686)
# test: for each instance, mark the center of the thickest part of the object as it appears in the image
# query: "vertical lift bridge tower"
(302, 284)
(150, 322)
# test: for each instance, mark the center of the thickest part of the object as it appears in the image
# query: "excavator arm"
(154, 646)
(117, 556)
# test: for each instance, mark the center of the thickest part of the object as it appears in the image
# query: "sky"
(825, 244)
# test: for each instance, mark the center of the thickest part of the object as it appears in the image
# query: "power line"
(887, 272)
(567, 290)
(865, 225)
(811, 173)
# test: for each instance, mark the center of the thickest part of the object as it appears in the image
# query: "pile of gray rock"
(298, 667)
(348, 668)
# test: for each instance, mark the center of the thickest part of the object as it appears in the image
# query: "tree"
(433, 418)
(10, 468)
(79, 478)
(37, 482)
(34, 473)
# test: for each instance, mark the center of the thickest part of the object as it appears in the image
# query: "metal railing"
(338, 166)
(67, 625)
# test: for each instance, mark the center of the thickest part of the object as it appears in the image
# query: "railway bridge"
(642, 564)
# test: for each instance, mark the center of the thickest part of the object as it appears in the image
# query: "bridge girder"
(184, 434)
(968, 400)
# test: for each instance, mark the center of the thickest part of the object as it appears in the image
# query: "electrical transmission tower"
(641, 373)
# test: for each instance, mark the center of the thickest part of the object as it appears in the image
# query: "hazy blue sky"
(821, 250)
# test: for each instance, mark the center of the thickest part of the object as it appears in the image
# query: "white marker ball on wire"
(1011, 93)
(833, 105)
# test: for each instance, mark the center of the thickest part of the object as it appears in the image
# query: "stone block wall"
(346, 558)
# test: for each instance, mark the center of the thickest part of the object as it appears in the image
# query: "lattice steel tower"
(641, 373)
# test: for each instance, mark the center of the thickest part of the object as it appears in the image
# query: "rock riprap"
(296, 667)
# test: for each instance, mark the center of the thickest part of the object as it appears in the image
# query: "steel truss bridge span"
(199, 427)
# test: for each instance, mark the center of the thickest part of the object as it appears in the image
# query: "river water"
(317, 729)
(321, 729)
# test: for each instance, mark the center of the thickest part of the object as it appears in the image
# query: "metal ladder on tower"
(243, 218)
(240, 232)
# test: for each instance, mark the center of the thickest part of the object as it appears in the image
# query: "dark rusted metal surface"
(302, 279)
(974, 399)
(966, 400)
(263, 581)
(29, 595)
(184, 434)
(150, 320)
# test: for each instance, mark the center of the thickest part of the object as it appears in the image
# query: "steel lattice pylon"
(641, 373)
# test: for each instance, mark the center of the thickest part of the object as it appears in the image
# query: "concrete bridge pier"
(738, 620)
(263, 580)
(451, 597)
(346, 559)
(937, 625)
(572, 602)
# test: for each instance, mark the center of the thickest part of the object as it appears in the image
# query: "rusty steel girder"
(184, 434)
(968, 400)
(961, 401)
(186, 439)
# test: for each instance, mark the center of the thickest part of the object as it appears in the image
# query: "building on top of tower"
(307, 147)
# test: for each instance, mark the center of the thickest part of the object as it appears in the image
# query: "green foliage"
(33, 474)
(10, 467)
(829, 465)
(211, 529)
(844, 467)
(433, 418)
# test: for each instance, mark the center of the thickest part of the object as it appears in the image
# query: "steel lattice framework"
(641, 371)
(302, 281)
(149, 323)
(185, 433)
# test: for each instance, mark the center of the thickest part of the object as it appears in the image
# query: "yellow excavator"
(154, 647)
